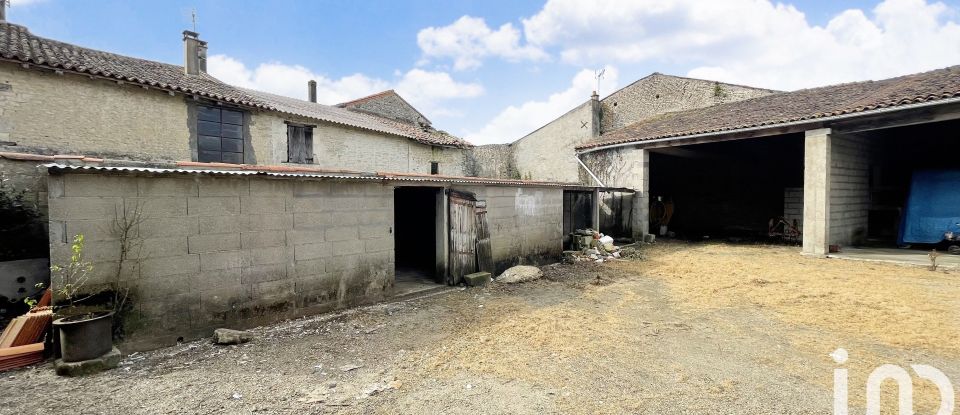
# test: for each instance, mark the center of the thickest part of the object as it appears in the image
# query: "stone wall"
(341, 147)
(547, 154)
(228, 252)
(390, 105)
(625, 167)
(63, 114)
(660, 94)
(26, 176)
(51, 114)
(491, 160)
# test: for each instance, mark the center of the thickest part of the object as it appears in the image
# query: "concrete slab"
(88, 367)
(916, 257)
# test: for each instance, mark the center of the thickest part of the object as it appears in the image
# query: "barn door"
(463, 237)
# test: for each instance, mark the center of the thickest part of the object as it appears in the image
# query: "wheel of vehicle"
(954, 249)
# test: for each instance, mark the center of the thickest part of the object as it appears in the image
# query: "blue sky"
(475, 77)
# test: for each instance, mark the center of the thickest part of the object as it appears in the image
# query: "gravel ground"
(587, 338)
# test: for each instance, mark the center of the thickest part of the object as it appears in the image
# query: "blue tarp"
(933, 206)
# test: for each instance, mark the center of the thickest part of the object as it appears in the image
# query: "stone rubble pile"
(590, 245)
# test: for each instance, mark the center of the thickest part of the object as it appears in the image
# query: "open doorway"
(415, 238)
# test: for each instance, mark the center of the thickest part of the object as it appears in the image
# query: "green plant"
(30, 301)
(71, 277)
(718, 90)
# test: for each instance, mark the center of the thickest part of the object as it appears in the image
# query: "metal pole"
(577, 158)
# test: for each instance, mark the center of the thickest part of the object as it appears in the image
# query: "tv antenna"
(193, 18)
(598, 75)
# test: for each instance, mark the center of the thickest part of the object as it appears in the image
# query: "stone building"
(838, 158)
(66, 101)
(548, 153)
(247, 207)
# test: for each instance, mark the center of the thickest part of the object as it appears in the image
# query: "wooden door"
(463, 237)
(484, 249)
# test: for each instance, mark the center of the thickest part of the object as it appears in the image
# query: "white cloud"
(516, 121)
(425, 90)
(751, 41)
(14, 3)
(291, 80)
(469, 40)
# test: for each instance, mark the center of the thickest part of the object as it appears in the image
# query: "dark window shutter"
(219, 135)
(291, 155)
(299, 144)
(308, 144)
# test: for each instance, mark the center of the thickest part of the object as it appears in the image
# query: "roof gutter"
(778, 125)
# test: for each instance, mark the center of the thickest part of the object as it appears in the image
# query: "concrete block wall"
(793, 205)
(526, 224)
(850, 161)
(228, 251)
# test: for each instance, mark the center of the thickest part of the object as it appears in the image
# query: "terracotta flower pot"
(86, 336)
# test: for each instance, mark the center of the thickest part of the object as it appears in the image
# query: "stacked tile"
(21, 342)
(20, 356)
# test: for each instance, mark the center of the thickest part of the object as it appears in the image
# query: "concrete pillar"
(816, 192)
(641, 199)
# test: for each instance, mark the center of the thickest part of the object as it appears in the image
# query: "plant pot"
(86, 336)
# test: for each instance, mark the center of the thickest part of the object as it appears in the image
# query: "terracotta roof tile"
(18, 44)
(806, 104)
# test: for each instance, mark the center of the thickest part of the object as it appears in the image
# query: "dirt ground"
(684, 328)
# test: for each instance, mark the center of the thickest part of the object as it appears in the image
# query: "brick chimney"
(194, 53)
(312, 90)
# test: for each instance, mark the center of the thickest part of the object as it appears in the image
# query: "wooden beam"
(743, 135)
(895, 119)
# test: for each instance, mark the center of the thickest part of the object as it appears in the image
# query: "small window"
(219, 135)
(434, 167)
(299, 144)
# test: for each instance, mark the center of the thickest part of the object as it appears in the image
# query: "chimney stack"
(3, 10)
(194, 53)
(312, 90)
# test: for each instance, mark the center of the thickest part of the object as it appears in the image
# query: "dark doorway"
(577, 213)
(731, 189)
(415, 236)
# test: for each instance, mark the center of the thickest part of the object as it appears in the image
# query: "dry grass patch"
(900, 306)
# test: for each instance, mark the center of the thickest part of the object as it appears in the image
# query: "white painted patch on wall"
(527, 204)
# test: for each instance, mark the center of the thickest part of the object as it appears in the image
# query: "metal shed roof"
(383, 177)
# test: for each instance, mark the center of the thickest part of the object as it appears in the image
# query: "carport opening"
(899, 159)
(415, 235)
(734, 190)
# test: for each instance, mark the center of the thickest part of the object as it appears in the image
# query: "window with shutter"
(219, 135)
(299, 144)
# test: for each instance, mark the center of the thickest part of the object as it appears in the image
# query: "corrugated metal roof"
(56, 167)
